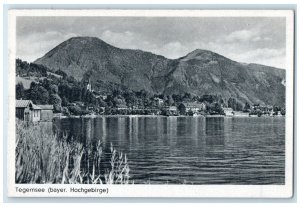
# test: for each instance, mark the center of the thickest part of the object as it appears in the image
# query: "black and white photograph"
(169, 101)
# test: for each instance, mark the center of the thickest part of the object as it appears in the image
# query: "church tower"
(89, 86)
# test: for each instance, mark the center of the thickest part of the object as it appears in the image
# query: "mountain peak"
(201, 54)
(70, 49)
(202, 51)
(204, 55)
(197, 51)
(85, 40)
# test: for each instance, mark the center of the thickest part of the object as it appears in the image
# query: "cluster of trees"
(40, 94)
(278, 109)
(62, 92)
(234, 104)
(261, 111)
(58, 93)
(143, 99)
(24, 68)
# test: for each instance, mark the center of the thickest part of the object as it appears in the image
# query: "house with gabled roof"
(27, 111)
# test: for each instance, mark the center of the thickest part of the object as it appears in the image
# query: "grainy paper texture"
(150, 103)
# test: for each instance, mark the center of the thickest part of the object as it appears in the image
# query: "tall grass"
(43, 158)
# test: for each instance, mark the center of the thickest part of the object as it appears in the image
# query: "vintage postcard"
(151, 103)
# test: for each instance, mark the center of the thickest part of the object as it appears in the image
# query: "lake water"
(191, 150)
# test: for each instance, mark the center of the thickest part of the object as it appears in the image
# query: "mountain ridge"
(199, 72)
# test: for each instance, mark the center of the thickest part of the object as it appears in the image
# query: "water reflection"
(191, 149)
(214, 130)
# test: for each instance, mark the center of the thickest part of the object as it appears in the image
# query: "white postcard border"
(250, 191)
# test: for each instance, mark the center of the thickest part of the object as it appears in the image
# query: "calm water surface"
(191, 150)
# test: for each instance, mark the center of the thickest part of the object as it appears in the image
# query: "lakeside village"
(42, 95)
(162, 105)
(27, 111)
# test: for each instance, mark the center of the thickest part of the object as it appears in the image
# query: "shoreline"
(131, 116)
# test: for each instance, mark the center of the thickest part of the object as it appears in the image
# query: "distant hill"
(199, 72)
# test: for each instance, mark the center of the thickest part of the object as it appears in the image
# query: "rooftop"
(46, 107)
(23, 103)
(26, 103)
(36, 107)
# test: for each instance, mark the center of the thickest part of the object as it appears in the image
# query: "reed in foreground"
(43, 158)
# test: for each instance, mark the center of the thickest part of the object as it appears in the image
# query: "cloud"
(256, 39)
(127, 40)
(172, 50)
(243, 36)
(265, 56)
(267, 39)
(122, 39)
(36, 45)
(131, 40)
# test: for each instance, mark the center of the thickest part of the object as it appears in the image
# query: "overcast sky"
(249, 40)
